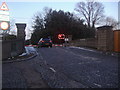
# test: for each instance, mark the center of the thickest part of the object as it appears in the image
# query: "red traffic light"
(61, 36)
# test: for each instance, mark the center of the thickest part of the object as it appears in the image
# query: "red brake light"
(42, 41)
(61, 36)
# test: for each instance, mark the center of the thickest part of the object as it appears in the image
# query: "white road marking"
(52, 69)
(97, 85)
(81, 56)
(83, 48)
(92, 58)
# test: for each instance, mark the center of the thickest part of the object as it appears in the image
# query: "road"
(80, 68)
(63, 67)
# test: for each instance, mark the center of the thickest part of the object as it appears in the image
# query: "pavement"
(20, 73)
(30, 53)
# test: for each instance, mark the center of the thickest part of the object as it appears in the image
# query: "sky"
(23, 12)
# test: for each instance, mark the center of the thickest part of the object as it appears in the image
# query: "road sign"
(4, 14)
(4, 25)
(4, 18)
(4, 7)
(61, 36)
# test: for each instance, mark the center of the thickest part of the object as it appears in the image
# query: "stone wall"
(14, 47)
(11, 48)
(90, 42)
(104, 40)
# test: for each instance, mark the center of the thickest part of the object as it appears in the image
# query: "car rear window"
(46, 39)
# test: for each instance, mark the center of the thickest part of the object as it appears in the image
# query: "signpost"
(4, 7)
(4, 18)
(66, 39)
(4, 25)
(66, 42)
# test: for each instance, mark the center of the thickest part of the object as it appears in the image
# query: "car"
(45, 42)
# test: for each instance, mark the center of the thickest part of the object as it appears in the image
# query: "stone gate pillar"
(21, 34)
(21, 30)
(105, 38)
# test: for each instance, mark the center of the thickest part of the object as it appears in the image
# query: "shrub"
(9, 37)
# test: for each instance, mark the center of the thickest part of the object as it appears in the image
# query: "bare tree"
(28, 33)
(91, 11)
(110, 21)
(12, 27)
